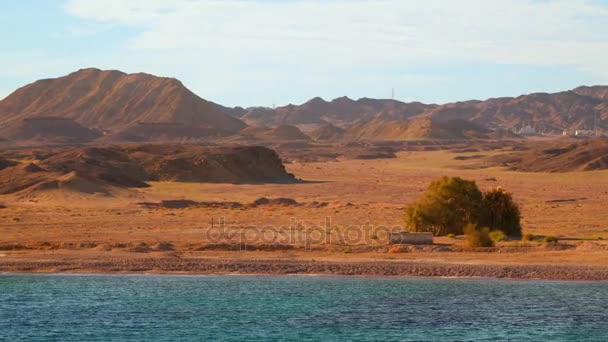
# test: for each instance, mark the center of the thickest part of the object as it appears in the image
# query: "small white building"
(525, 130)
(409, 238)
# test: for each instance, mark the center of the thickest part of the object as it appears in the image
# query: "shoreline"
(298, 275)
(274, 267)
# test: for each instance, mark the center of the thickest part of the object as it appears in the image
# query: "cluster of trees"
(452, 204)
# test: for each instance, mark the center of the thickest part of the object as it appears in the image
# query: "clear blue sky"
(264, 52)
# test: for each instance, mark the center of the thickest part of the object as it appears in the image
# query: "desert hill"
(598, 92)
(102, 169)
(187, 163)
(49, 130)
(287, 132)
(340, 111)
(563, 155)
(164, 132)
(112, 100)
(281, 133)
(547, 113)
(111, 165)
(82, 106)
(328, 132)
(419, 128)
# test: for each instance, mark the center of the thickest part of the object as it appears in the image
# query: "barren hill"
(598, 92)
(190, 163)
(550, 113)
(339, 111)
(420, 128)
(101, 169)
(113, 100)
(282, 133)
(547, 113)
(49, 130)
(563, 155)
(164, 132)
(144, 108)
(328, 132)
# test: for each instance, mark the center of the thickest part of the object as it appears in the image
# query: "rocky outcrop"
(218, 165)
(95, 169)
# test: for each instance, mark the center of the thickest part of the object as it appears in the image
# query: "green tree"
(446, 207)
(500, 212)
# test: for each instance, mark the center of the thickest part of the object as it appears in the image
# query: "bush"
(452, 202)
(500, 212)
(451, 236)
(498, 236)
(446, 207)
(478, 237)
(528, 237)
(551, 239)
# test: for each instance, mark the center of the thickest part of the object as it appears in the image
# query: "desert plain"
(334, 221)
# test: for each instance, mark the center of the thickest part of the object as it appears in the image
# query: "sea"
(297, 308)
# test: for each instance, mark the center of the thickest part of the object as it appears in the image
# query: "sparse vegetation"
(478, 237)
(528, 237)
(550, 239)
(498, 236)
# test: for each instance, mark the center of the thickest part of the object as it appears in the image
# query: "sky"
(276, 52)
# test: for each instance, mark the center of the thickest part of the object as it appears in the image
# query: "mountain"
(598, 92)
(563, 155)
(49, 130)
(328, 132)
(163, 132)
(548, 113)
(420, 128)
(112, 100)
(111, 106)
(281, 133)
(338, 112)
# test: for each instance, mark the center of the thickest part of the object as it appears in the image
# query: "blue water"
(229, 308)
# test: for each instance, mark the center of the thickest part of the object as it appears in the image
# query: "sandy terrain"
(337, 229)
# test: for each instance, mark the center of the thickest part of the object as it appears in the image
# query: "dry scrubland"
(64, 231)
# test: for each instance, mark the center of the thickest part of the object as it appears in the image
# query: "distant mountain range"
(546, 113)
(93, 104)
